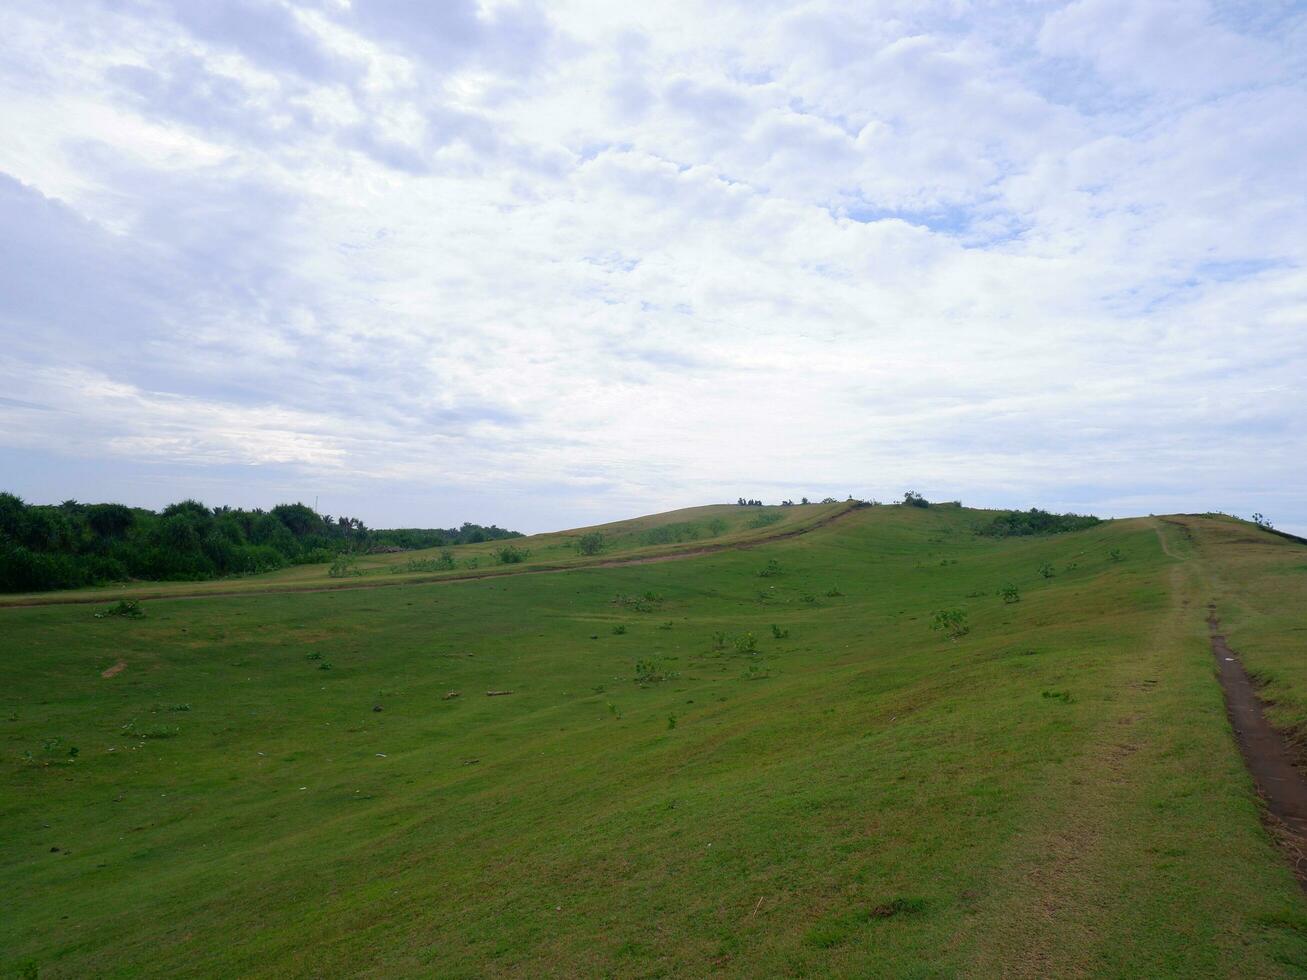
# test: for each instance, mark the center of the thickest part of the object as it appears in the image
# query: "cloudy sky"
(546, 264)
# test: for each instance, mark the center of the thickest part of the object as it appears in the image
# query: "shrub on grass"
(1010, 593)
(509, 555)
(952, 622)
(591, 543)
(344, 566)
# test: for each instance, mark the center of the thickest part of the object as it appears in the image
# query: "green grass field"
(284, 784)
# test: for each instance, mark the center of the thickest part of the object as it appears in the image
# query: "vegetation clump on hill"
(683, 531)
(1015, 523)
(74, 544)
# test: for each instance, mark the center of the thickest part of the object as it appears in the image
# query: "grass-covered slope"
(1052, 792)
(656, 536)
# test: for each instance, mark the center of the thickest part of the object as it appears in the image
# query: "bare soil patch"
(115, 670)
(1267, 755)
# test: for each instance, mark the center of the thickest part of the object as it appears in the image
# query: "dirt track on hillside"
(468, 577)
(1279, 784)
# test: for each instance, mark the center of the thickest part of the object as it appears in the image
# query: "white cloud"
(658, 259)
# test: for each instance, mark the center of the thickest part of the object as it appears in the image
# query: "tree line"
(73, 544)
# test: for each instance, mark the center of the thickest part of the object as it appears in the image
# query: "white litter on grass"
(381, 755)
(303, 787)
(1229, 659)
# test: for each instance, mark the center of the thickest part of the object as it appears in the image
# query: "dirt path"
(1161, 539)
(434, 580)
(1280, 786)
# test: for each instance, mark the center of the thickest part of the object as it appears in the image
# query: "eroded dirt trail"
(1281, 787)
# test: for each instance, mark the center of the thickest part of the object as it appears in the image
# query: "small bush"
(834, 592)
(953, 622)
(1115, 555)
(344, 565)
(1062, 696)
(1010, 593)
(591, 543)
(746, 643)
(1046, 570)
(773, 569)
(619, 630)
(509, 555)
(719, 640)
(778, 633)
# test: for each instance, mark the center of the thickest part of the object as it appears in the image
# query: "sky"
(548, 264)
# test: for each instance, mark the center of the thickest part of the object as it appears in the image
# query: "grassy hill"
(754, 761)
(673, 533)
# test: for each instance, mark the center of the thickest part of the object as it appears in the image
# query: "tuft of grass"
(123, 608)
(746, 643)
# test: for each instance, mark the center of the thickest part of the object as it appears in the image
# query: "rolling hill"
(856, 741)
